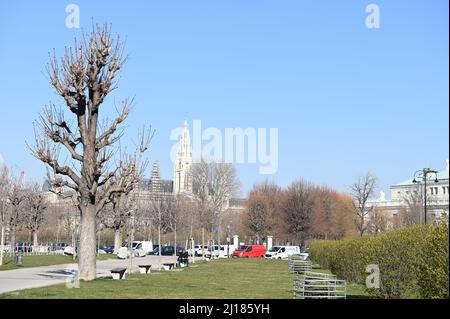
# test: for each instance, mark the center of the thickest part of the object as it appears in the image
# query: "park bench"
(118, 273)
(312, 285)
(169, 266)
(298, 266)
(145, 269)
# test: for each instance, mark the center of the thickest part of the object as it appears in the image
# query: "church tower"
(182, 179)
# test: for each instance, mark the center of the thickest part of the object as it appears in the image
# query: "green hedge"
(413, 261)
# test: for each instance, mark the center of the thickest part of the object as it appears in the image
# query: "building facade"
(403, 193)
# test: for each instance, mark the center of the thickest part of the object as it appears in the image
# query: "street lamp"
(422, 176)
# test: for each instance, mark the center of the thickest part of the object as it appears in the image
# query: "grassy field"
(218, 279)
(38, 261)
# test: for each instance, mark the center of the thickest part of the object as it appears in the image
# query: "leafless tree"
(297, 210)
(17, 210)
(256, 216)
(362, 190)
(35, 210)
(412, 212)
(214, 184)
(379, 220)
(83, 78)
(5, 185)
(116, 214)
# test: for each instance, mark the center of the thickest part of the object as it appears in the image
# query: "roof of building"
(442, 175)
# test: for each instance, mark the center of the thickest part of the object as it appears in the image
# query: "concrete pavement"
(26, 278)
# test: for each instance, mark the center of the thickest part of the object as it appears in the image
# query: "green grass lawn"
(218, 279)
(38, 261)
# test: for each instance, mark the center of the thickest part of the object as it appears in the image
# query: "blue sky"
(346, 99)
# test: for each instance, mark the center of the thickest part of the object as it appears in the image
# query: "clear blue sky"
(346, 99)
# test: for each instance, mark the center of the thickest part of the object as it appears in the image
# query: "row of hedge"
(413, 262)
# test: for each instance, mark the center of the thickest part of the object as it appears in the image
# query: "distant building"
(182, 183)
(437, 196)
(182, 174)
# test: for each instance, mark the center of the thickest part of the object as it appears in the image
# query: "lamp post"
(422, 176)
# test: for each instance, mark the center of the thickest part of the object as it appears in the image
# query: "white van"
(146, 246)
(282, 252)
(223, 251)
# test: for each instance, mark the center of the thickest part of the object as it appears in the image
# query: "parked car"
(223, 253)
(147, 246)
(155, 251)
(170, 251)
(104, 249)
(108, 249)
(24, 247)
(282, 252)
(250, 251)
(240, 249)
(136, 248)
(58, 246)
(197, 251)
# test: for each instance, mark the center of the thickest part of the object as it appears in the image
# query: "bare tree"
(412, 212)
(378, 220)
(35, 210)
(17, 210)
(297, 210)
(115, 216)
(83, 78)
(5, 185)
(256, 216)
(362, 190)
(214, 184)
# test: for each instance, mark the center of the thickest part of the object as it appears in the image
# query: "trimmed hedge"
(413, 261)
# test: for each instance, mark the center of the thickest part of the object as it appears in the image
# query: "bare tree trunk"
(203, 243)
(362, 228)
(87, 255)
(35, 238)
(12, 238)
(175, 242)
(159, 241)
(2, 243)
(117, 240)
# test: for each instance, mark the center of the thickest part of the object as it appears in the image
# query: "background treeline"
(413, 262)
(297, 214)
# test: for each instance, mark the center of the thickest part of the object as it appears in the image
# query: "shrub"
(433, 264)
(413, 261)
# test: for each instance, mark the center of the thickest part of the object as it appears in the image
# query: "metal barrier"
(312, 285)
(30, 250)
(298, 266)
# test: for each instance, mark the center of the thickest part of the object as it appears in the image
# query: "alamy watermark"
(232, 145)
(373, 279)
(373, 19)
(72, 280)
(73, 17)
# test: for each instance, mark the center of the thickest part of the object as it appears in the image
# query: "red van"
(250, 251)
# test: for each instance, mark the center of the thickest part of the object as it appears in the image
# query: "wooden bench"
(169, 266)
(118, 273)
(145, 269)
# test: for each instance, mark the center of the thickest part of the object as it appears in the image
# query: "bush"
(413, 261)
(433, 264)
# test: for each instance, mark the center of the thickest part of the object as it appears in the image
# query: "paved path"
(18, 279)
